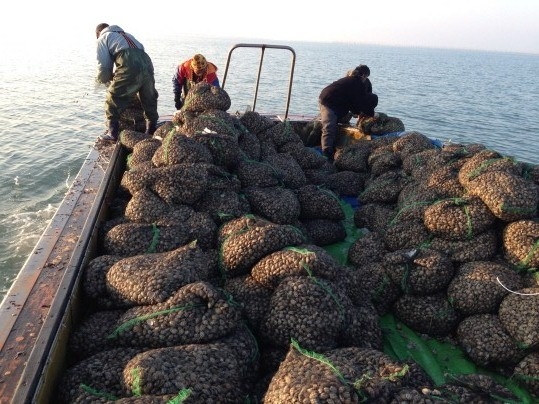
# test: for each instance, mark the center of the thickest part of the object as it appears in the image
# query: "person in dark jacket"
(127, 70)
(352, 93)
(189, 73)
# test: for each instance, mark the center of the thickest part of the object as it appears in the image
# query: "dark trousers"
(134, 75)
(329, 120)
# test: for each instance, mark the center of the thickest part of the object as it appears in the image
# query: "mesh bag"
(280, 134)
(486, 342)
(521, 243)
(129, 138)
(222, 205)
(324, 232)
(432, 315)
(384, 188)
(519, 315)
(419, 271)
(128, 239)
(143, 151)
(306, 157)
(526, 372)
(293, 176)
(344, 375)
(211, 121)
(373, 216)
(94, 280)
(319, 203)
(482, 247)
(486, 161)
(406, 234)
(345, 183)
(410, 143)
(508, 196)
(476, 287)
(249, 146)
(382, 160)
(458, 218)
(277, 204)
(252, 296)
(205, 373)
(177, 148)
(97, 376)
(315, 312)
(196, 313)
(303, 260)
(354, 157)
(256, 173)
(203, 96)
(243, 246)
(223, 148)
(255, 122)
(153, 278)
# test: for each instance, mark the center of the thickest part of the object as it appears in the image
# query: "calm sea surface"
(51, 111)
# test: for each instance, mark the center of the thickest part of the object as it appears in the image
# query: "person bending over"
(127, 70)
(189, 73)
(350, 94)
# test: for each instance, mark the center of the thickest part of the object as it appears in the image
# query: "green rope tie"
(320, 358)
(135, 374)
(526, 261)
(469, 224)
(486, 164)
(129, 160)
(518, 210)
(405, 208)
(462, 202)
(97, 393)
(155, 239)
(166, 147)
(134, 321)
(181, 397)
(406, 277)
(357, 385)
(323, 286)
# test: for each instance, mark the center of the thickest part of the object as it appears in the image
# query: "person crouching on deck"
(189, 73)
(352, 93)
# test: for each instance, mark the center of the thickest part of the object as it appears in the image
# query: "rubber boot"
(151, 127)
(113, 132)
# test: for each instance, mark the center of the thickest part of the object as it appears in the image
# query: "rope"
(515, 292)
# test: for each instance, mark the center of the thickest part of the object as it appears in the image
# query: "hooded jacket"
(346, 94)
(112, 40)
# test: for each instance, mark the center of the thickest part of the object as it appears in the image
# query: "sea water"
(51, 111)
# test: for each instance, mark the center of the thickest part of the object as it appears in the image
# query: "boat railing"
(263, 48)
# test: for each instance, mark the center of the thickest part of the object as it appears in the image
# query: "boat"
(45, 304)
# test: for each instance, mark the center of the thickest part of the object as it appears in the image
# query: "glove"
(178, 101)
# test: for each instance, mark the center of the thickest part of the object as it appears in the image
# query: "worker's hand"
(178, 101)
(362, 117)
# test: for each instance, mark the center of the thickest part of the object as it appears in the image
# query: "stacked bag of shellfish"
(215, 283)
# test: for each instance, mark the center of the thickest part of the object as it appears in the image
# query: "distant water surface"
(51, 111)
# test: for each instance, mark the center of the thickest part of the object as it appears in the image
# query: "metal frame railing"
(263, 48)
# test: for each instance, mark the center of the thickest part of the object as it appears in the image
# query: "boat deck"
(32, 311)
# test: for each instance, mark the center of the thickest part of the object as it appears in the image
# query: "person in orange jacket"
(191, 72)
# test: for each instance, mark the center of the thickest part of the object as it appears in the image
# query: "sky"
(493, 25)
